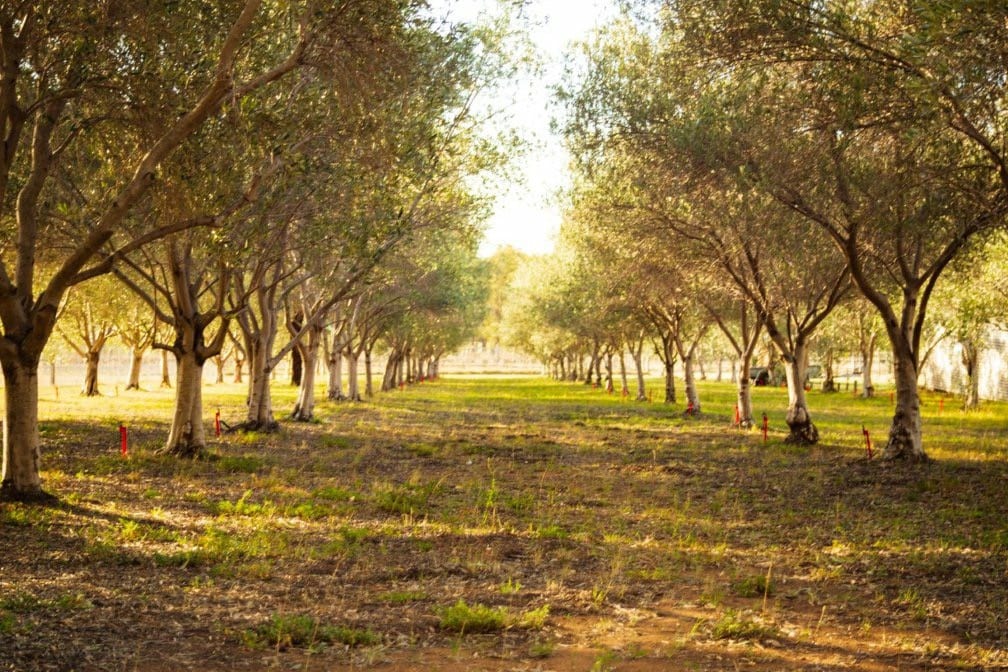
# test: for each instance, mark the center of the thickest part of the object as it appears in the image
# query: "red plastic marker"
(217, 423)
(766, 427)
(738, 416)
(123, 443)
(689, 408)
(867, 440)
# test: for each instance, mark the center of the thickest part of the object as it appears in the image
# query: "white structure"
(944, 369)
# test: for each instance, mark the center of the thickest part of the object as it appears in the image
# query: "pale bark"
(368, 374)
(304, 407)
(905, 433)
(743, 396)
(259, 415)
(187, 437)
(623, 373)
(165, 375)
(353, 393)
(637, 354)
(90, 388)
(335, 387)
(867, 362)
(136, 362)
(971, 386)
(21, 480)
(799, 421)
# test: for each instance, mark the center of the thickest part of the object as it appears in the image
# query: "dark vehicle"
(759, 375)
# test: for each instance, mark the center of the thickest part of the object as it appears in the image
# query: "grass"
(588, 517)
(285, 631)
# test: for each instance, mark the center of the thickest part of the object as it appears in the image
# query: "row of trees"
(755, 166)
(252, 171)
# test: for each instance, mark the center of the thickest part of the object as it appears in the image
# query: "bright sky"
(527, 215)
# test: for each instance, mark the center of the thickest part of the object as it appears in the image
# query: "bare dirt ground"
(606, 536)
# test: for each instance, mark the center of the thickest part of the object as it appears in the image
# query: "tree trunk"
(136, 361)
(186, 438)
(799, 421)
(90, 388)
(744, 390)
(260, 400)
(334, 391)
(304, 407)
(52, 372)
(971, 386)
(368, 384)
(638, 358)
(829, 385)
(623, 373)
(867, 360)
(670, 394)
(388, 380)
(219, 363)
(905, 432)
(21, 453)
(689, 378)
(297, 365)
(353, 392)
(165, 377)
(609, 372)
(239, 365)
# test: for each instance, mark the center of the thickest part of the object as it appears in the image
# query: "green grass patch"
(302, 631)
(464, 618)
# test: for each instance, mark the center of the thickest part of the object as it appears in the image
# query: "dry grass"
(603, 533)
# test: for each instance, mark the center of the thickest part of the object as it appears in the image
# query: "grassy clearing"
(516, 516)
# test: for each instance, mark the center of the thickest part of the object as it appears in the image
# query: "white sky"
(526, 215)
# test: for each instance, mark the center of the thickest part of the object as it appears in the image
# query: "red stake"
(738, 416)
(867, 441)
(123, 445)
(217, 423)
(689, 408)
(892, 397)
(766, 427)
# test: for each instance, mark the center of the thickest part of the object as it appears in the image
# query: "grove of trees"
(226, 170)
(761, 165)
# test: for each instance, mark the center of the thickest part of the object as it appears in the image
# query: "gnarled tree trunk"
(803, 431)
(905, 433)
(90, 388)
(304, 407)
(21, 452)
(743, 398)
(136, 363)
(187, 438)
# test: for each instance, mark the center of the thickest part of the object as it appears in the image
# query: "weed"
(605, 662)
(409, 498)
(533, 619)
(739, 625)
(243, 507)
(463, 618)
(403, 596)
(283, 632)
(552, 532)
(510, 587)
(542, 649)
(240, 464)
(753, 586)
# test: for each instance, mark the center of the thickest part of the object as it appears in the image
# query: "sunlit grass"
(504, 495)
